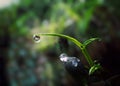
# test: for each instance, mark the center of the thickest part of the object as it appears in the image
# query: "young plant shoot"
(82, 46)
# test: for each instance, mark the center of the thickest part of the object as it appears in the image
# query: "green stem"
(79, 44)
(87, 56)
(63, 36)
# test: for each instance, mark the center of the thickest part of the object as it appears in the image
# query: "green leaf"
(87, 42)
(94, 68)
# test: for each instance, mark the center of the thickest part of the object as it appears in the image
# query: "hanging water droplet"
(36, 38)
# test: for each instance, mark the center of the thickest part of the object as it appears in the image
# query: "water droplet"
(36, 38)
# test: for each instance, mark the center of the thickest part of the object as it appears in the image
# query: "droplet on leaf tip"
(36, 38)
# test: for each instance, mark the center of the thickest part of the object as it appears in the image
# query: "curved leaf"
(94, 68)
(87, 42)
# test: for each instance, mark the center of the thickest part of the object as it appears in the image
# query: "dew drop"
(36, 38)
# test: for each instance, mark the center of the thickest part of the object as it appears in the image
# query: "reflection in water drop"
(36, 38)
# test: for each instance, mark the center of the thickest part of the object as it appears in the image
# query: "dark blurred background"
(26, 63)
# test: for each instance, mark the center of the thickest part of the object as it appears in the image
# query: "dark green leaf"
(94, 68)
(90, 40)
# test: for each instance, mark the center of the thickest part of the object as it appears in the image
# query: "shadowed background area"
(26, 63)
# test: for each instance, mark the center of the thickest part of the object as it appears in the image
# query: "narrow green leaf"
(79, 44)
(87, 42)
(94, 68)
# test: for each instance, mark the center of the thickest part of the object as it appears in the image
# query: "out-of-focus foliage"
(82, 19)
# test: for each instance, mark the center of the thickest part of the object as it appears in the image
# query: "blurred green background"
(26, 63)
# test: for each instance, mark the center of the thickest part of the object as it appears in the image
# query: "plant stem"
(87, 56)
(79, 44)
